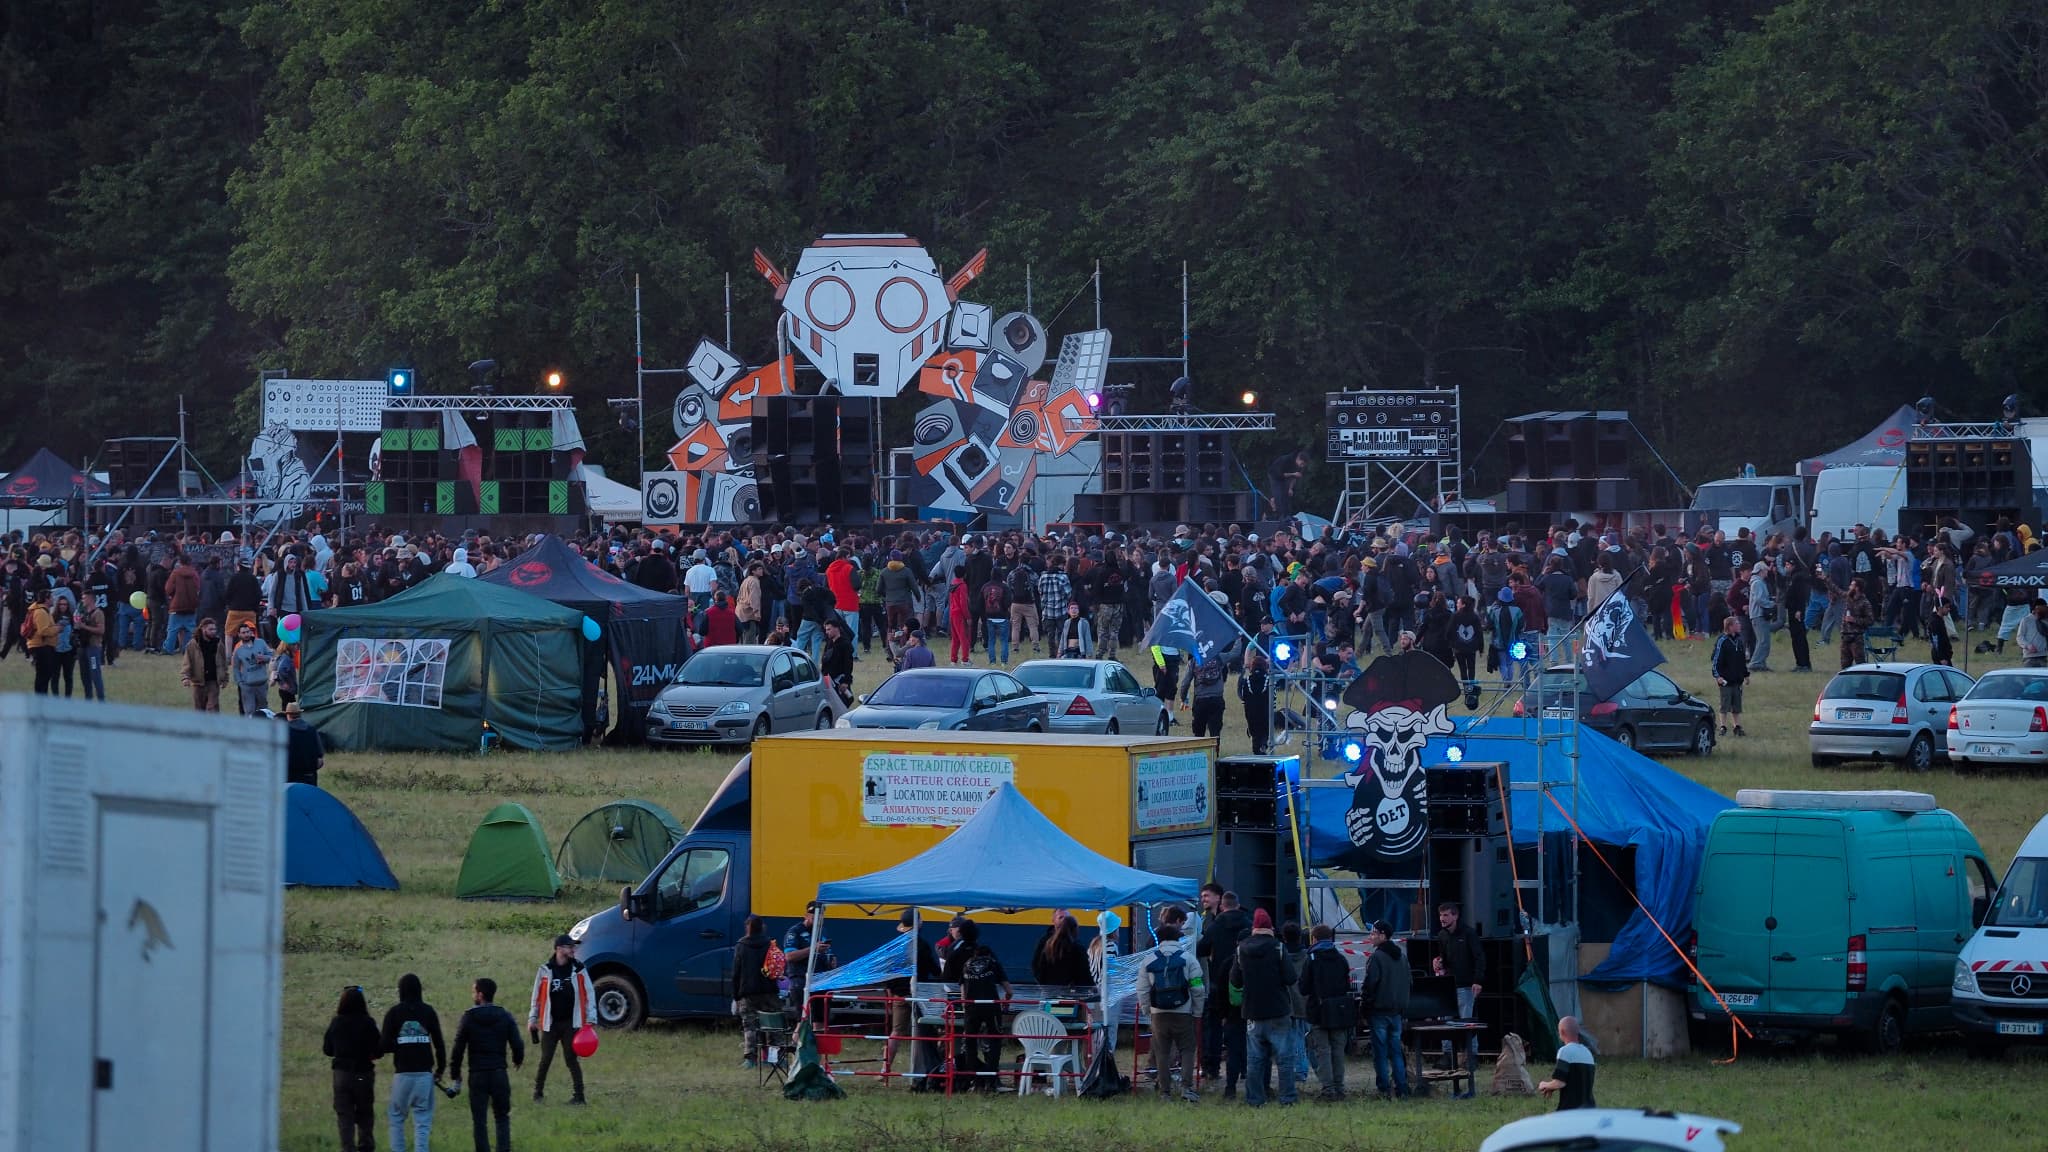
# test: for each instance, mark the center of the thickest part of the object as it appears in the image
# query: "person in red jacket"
(718, 624)
(843, 578)
(959, 609)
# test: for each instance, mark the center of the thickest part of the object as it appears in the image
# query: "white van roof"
(1875, 801)
(2036, 843)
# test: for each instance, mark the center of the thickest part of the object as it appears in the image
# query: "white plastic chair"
(1047, 1049)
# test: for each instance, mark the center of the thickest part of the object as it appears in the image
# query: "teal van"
(1835, 912)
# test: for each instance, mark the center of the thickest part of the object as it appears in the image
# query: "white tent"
(609, 498)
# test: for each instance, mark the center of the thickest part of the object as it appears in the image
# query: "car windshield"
(2023, 898)
(1734, 499)
(1057, 676)
(712, 668)
(921, 692)
(1883, 687)
(2018, 686)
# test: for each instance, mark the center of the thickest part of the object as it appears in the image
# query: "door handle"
(711, 934)
(1784, 957)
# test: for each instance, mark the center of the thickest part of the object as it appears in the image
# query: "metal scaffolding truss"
(475, 403)
(1963, 431)
(1174, 422)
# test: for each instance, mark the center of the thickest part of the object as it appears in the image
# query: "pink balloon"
(290, 623)
(585, 1042)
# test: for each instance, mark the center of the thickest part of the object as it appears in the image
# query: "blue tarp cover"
(325, 846)
(1008, 856)
(1625, 799)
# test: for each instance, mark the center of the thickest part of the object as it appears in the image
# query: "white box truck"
(141, 928)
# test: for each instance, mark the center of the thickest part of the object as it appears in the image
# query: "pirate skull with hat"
(1399, 702)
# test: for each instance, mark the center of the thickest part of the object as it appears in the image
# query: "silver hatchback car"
(1885, 712)
(1096, 696)
(734, 693)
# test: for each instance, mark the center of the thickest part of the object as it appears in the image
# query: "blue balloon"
(590, 630)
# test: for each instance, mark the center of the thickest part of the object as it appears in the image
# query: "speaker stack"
(521, 473)
(1165, 478)
(1468, 850)
(1567, 462)
(418, 475)
(814, 459)
(1252, 856)
(1977, 479)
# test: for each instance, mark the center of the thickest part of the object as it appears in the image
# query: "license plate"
(1740, 999)
(1986, 749)
(2019, 1027)
(1852, 713)
(696, 725)
(1560, 714)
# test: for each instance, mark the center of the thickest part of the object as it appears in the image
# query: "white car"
(1612, 1130)
(2003, 720)
(1095, 696)
(2000, 994)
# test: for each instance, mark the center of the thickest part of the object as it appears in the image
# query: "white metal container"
(141, 928)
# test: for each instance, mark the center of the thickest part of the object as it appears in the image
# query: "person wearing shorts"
(1731, 670)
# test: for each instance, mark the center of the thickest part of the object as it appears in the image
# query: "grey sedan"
(951, 699)
(1095, 696)
(735, 692)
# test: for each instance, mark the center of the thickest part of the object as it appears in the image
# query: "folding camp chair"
(775, 1050)
(1880, 643)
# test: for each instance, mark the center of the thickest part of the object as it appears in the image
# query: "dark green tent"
(508, 859)
(621, 842)
(429, 668)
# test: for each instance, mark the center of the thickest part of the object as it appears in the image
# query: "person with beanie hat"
(562, 1003)
(1267, 976)
(412, 1035)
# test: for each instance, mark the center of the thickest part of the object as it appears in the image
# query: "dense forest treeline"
(1756, 226)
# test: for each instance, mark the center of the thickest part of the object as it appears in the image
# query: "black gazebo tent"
(646, 634)
(2028, 571)
(46, 481)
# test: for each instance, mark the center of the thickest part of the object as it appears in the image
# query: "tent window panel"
(404, 673)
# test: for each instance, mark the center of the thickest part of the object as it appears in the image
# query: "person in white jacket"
(562, 1004)
(1172, 989)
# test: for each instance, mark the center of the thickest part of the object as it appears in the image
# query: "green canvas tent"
(508, 859)
(621, 842)
(430, 667)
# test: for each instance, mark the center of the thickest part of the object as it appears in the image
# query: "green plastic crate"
(444, 498)
(540, 440)
(487, 498)
(373, 496)
(558, 497)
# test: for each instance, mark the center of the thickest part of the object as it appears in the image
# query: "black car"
(1651, 714)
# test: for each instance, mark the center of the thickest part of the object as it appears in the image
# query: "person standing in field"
(412, 1035)
(486, 1033)
(352, 1047)
(560, 1006)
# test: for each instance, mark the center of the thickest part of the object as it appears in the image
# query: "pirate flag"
(1399, 702)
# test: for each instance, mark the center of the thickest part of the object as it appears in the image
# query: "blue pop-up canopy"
(1008, 856)
(1624, 800)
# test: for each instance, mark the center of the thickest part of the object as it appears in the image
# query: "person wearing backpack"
(984, 985)
(1205, 680)
(995, 618)
(1332, 1009)
(1172, 989)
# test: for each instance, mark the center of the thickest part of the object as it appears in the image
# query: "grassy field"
(679, 1086)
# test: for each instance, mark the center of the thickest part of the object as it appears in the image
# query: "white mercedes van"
(2000, 995)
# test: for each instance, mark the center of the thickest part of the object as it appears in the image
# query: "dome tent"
(325, 846)
(621, 841)
(508, 859)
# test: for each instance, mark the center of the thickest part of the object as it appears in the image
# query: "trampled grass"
(679, 1086)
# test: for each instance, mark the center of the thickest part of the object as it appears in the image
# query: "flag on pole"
(1190, 622)
(1618, 649)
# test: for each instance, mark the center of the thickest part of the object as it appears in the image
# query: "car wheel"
(1625, 736)
(1920, 753)
(1703, 739)
(1110, 729)
(618, 1001)
(1890, 1037)
(760, 728)
(1033, 727)
(1820, 761)
(1165, 722)
(824, 719)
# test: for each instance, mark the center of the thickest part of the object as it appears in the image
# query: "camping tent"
(646, 634)
(429, 668)
(508, 859)
(610, 499)
(46, 481)
(1882, 447)
(1008, 856)
(621, 841)
(1624, 800)
(325, 846)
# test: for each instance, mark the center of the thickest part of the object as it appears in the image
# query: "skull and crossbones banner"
(1398, 703)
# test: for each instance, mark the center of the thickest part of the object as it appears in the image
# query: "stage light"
(1283, 652)
(1455, 754)
(1353, 751)
(1094, 401)
(1249, 398)
(1519, 650)
(400, 380)
(1330, 705)
(554, 379)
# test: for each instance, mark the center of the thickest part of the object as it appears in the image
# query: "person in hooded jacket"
(1332, 1009)
(353, 1046)
(459, 565)
(412, 1038)
(754, 989)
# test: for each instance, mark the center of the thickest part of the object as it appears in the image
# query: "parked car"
(1835, 913)
(2002, 720)
(1095, 696)
(1885, 712)
(2000, 989)
(735, 693)
(1611, 1130)
(973, 699)
(1652, 714)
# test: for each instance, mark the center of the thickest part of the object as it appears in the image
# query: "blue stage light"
(1283, 652)
(1354, 751)
(1519, 650)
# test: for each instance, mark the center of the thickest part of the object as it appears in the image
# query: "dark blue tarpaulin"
(1624, 800)
(1008, 856)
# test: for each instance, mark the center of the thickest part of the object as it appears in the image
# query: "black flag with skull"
(1399, 702)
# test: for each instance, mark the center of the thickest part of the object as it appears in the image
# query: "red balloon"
(584, 1042)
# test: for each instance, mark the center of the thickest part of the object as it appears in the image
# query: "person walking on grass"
(1856, 618)
(206, 665)
(352, 1046)
(560, 1007)
(251, 664)
(1730, 665)
(486, 1033)
(412, 1036)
